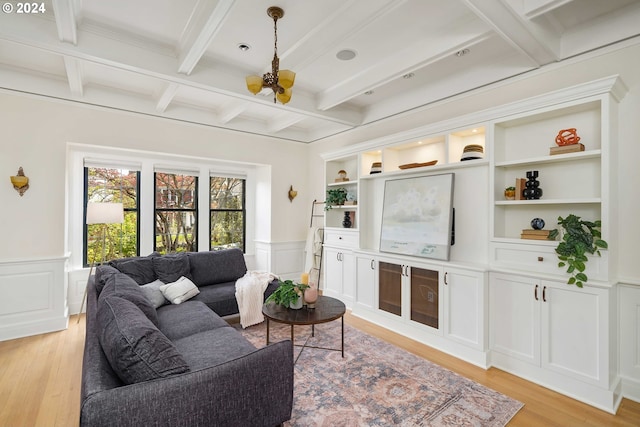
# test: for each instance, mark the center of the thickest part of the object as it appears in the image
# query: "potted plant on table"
(288, 294)
(579, 238)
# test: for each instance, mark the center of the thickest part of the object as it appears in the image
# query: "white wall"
(35, 132)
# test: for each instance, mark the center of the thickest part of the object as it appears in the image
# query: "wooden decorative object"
(292, 194)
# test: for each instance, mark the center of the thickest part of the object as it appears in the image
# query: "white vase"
(296, 305)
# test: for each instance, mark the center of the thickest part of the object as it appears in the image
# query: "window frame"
(85, 200)
(243, 210)
(195, 210)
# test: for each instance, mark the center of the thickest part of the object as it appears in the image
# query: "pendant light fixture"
(280, 81)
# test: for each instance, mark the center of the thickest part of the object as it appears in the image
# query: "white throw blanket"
(250, 296)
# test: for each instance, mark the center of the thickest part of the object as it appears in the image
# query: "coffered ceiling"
(180, 59)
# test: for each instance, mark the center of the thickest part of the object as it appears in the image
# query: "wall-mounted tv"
(417, 216)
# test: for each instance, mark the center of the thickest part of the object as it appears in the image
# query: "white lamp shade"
(105, 213)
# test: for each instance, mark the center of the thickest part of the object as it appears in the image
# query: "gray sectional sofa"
(153, 363)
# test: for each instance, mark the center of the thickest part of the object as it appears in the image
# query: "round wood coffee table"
(326, 309)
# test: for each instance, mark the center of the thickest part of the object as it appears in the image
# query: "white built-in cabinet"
(339, 272)
(437, 303)
(501, 299)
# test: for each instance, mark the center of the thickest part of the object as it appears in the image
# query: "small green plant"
(335, 196)
(287, 293)
(579, 238)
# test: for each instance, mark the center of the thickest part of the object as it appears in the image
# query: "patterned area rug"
(378, 384)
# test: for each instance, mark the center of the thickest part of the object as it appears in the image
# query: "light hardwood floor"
(40, 383)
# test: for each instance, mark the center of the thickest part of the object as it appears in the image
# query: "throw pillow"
(170, 268)
(123, 286)
(135, 348)
(139, 269)
(180, 290)
(153, 293)
(103, 273)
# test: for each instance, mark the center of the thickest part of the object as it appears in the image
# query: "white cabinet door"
(332, 272)
(348, 277)
(514, 316)
(366, 273)
(574, 330)
(464, 298)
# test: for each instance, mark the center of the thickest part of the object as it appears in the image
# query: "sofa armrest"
(256, 389)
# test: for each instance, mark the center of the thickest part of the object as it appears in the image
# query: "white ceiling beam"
(542, 47)
(535, 8)
(409, 59)
(284, 121)
(73, 68)
(166, 97)
(231, 111)
(65, 14)
(146, 61)
(201, 29)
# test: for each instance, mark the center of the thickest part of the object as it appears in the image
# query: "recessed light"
(408, 76)
(462, 52)
(244, 47)
(346, 54)
(474, 130)
(369, 92)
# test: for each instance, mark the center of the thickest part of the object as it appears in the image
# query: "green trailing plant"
(287, 293)
(335, 196)
(579, 238)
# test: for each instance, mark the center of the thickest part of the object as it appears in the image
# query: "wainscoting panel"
(629, 311)
(34, 297)
(286, 259)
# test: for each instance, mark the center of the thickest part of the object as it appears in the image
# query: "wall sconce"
(292, 194)
(20, 182)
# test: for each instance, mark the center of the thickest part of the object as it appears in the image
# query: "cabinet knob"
(445, 278)
(373, 264)
(540, 259)
(535, 293)
(339, 237)
(544, 294)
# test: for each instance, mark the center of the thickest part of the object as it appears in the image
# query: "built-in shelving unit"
(508, 306)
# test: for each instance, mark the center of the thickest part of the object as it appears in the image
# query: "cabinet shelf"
(583, 155)
(582, 201)
(341, 184)
(438, 168)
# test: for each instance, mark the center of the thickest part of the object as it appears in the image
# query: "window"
(112, 185)
(227, 212)
(176, 207)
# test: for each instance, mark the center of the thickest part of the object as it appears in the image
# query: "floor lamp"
(101, 213)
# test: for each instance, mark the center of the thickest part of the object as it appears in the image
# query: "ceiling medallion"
(280, 81)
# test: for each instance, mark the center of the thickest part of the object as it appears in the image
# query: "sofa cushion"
(188, 318)
(179, 291)
(154, 294)
(210, 348)
(135, 348)
(139, 269)
(171, 267)
(123, 286)
(209, 268)
(103, 272)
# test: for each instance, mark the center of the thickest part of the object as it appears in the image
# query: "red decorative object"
(567, 137)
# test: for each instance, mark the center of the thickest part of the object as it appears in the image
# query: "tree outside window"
(227, 213)
(176, 213)
(112, 185)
